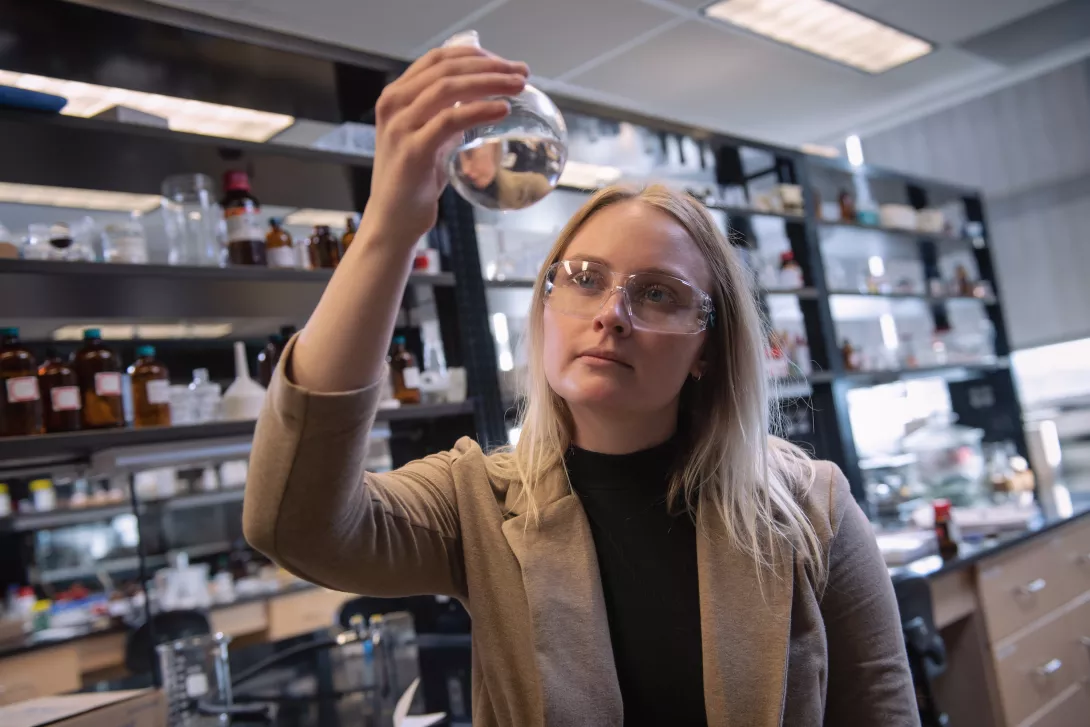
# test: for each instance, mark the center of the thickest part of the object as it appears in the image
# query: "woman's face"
(650, 367)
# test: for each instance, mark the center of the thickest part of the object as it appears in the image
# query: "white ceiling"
(662, 58)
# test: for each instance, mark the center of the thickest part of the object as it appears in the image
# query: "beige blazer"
(801, 653)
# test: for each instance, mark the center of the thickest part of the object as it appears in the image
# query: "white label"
(281, 257)
(244, 223)
(22, 388)
(158, 391)
(196, 685)
(65, 398)
(411, 376)
(108, 383)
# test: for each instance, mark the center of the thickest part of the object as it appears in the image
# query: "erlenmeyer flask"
(514, 162)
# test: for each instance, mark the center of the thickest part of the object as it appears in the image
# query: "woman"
(646, 554)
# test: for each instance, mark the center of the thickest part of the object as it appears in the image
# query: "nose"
(613, 315)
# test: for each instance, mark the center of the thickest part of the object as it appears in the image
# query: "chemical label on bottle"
(411, 377)
(244, 222)
(158, 391)
(65, 398)
(22, 388)
(281, 257)
(108, 383)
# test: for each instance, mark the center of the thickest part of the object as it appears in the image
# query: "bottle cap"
(91, 333)
(36, 485)
(145, 351)
(399, 340)
(942, 507)
(11, 331)
(236, 180)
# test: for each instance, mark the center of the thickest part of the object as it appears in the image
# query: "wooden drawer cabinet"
(1025, 585)
(248, 618)
(1076, 555)
(301, 613)
(39, 674)
(1038, 666)
(1072, 710)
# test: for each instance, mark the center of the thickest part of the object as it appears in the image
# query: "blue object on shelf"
(22, 98)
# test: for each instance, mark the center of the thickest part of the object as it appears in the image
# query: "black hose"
(279, 657)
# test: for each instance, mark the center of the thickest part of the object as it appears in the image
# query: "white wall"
(1028, 148)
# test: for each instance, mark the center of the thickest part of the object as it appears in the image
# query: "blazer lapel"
(567, 611)
(745, 632)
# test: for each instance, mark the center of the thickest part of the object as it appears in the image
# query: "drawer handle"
(1049, 668)
(1035, 586)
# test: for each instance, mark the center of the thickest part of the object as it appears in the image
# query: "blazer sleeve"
(311, 507)
(869, 678)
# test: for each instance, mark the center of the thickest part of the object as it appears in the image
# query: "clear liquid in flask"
(509, 172)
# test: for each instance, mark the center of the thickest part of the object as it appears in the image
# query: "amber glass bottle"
(349, 233)
(150, 390)
(61, 401)
(20, 399)
(325, 250)
(242, 212)
(98, 371)
(278, 246)
(405, 373)
(267, 360)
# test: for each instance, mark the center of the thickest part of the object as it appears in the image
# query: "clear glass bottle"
(191, 218)
(20, 397)
(404, 372)
(125, 242)
(61, 401)
(514, 162)
(99, 373)
(150, 383)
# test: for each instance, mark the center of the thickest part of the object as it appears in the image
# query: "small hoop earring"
(698, 377)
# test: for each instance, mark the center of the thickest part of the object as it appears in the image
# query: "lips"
(604, 355)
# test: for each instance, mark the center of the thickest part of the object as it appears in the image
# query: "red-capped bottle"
(242, 212)
(945, 530)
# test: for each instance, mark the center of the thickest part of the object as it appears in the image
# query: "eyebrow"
(652, 269)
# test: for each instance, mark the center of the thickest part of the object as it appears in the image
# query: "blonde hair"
(732, 467)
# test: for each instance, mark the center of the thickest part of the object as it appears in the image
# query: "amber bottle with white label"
(20, 398)
(61, 401)
(98, 371)
(150, 390)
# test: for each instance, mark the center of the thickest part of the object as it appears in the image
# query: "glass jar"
(61, 401)
(514, 162)
(191, 217)
(150, 383)
(36, 246)
(125, 242)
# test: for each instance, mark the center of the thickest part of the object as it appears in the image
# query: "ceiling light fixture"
(80, 199)
(145, 331)
(182, 114)
(854, 147)
(825, 29)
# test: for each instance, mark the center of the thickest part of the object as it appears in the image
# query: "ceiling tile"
(560, 35)
(947, 21)
(752, 87)
(389, 28)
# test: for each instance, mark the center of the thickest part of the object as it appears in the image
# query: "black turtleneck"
(647, 558)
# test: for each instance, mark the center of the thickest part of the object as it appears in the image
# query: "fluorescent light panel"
(825, 29)
(82, 199)
(307, 217)
(182, 114)
(145, 331)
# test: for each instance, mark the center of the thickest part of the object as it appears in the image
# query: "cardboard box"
(132, 708)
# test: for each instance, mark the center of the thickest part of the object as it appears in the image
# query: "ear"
(698, 369)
